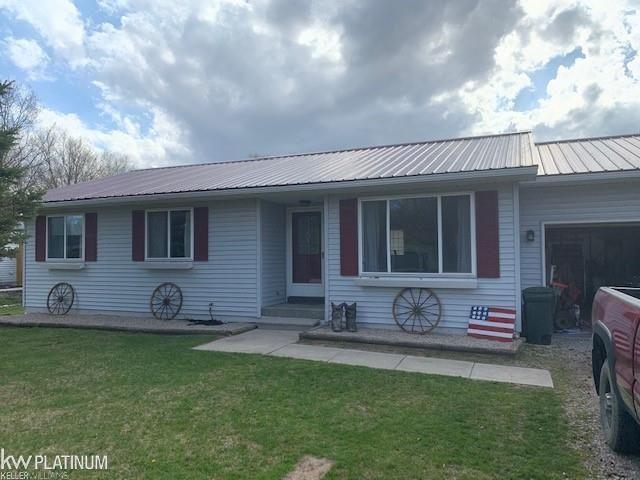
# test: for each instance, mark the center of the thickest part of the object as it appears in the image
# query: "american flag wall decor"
(492, 323)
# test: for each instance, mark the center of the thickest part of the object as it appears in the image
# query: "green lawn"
(10, 304)
(161, 410)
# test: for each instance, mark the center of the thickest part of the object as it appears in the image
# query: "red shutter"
(201, 234)
(137, 235)
(90, 237)
(349, 237)
(41, 238)
(487, 234)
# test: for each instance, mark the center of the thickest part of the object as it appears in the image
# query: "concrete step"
(270, 321)
(293, 310)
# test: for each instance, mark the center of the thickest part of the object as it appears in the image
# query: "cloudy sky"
(170, 82)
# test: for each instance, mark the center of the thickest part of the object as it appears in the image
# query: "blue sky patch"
(529, 97)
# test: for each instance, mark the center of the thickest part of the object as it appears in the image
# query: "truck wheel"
(620, 430)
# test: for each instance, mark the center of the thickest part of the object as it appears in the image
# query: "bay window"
(420, 235)
(169, 234)
(65, 235)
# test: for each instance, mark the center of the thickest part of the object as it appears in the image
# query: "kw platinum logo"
(55, 462)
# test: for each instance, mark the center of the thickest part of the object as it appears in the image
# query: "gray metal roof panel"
(388, 161)
(589, 155)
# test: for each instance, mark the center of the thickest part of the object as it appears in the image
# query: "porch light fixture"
(531, 235)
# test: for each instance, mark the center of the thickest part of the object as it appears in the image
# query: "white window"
(417, 235)
(169, 234)
(65, 237)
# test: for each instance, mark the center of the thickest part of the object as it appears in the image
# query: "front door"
(304, 253)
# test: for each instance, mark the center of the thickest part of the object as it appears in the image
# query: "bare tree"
(50, 157)
(61, 159)
(112, 163)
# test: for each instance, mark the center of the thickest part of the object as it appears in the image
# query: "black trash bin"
(539, 307)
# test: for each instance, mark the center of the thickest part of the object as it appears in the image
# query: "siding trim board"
(259, 257)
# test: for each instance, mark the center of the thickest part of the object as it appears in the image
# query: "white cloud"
(595, 95)
(163, 143)
(57, 21)
(27, 55)
(201, 80)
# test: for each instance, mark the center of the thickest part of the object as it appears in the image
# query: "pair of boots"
(349, 312)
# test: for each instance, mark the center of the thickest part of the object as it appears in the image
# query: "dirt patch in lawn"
(310, 468)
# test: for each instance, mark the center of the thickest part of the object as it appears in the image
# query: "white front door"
(305, 252)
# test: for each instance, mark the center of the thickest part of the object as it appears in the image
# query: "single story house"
(475, 220)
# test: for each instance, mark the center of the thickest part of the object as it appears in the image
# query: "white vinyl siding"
(274, 275)
(374, 303)
(115, 283)
(597, 202)
(7, 270)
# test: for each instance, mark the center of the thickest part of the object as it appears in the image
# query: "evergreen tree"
(17, 203)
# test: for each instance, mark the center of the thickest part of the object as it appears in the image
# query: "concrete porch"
(457, 342)
(302, 315)
(123, 323)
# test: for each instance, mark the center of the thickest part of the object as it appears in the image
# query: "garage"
(580, 258)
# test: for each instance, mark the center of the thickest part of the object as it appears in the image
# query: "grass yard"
(161, 410)
(11, 304)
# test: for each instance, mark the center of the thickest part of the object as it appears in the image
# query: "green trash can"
(539, 307)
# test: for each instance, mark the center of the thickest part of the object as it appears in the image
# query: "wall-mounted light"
(305, 203)
(531, 235)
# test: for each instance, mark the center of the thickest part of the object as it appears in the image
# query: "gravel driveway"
(569, 359)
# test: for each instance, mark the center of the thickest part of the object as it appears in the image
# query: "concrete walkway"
(281, 343)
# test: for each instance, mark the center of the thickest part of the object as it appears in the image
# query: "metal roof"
(589, 155)
(472, 154)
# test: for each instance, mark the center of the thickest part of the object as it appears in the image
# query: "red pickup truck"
(615, 359)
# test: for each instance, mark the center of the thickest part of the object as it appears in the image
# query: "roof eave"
(514, 174)
(584, 178)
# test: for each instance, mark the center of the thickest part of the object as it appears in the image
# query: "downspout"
(24, 274)
(258, 258)
(325, 252)
(516, 239)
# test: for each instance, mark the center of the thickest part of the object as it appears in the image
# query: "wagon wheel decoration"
(417, 310)
(60, 298)
(166, 301)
